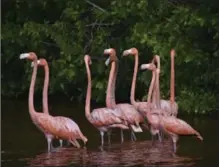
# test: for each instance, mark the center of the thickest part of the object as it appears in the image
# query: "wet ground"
(24, 145)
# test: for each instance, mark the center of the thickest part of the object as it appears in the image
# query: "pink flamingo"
(144, 107)
(43, 63)
(170, 106)
(102, 118)
(60, 127)
(172, 126)
(125, 111)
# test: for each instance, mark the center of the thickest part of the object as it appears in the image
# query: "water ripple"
(127, 154)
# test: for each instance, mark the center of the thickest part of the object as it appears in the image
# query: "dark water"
(24, 145)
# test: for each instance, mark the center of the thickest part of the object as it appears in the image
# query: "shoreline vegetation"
(77, 28)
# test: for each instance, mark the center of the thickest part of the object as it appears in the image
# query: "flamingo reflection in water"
(126, 154)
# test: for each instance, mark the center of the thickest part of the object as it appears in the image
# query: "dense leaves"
(63, 31)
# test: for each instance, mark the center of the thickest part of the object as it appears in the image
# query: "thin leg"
(133, 137)
(61, 142)
(122, 138)
(102, 137)
(68, 143)
(152, 139)
(174, 147)
(160, 136)
(109, 135)
(49, 144)
(174, 139)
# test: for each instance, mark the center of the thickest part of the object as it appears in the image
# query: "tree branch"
(99, 24)
(96, 6)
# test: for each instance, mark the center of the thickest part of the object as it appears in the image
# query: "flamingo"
(60, 127)
(125, 111)
(102, 118)
(144, 107)
(43, 63)
(172, 126)
(170, 106)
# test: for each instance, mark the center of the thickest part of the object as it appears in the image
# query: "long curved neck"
(45, 90)
(110, 94)
(151, 87)
(157, 87)
(31, 90)
(88, 96)
(132, 97)
(172, 81)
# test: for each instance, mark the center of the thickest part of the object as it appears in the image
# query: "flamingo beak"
(24, 55)
(107, 62)
(126, 52)
(144, 66)
(107, 51)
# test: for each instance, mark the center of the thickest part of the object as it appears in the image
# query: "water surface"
(24, 145)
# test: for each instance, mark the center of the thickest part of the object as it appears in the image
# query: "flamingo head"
(149, 66)
(112, 55)
(87, 59)
(30, 56)
(132, 51)
(40, 62)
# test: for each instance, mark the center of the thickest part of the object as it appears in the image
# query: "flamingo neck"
(151, 87)
(132, 97)
(110, 94)
(45, 90)
(88, 96)
(172, 81)
(31, 90)
(157, 87)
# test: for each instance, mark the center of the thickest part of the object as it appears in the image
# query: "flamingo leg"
(152, 138)
(122, 137)
(102, 137)
(49, 144)
(160, 136)
(68, 143)
(61, 142)
(109, 136)
(133, 137)
(174, 139)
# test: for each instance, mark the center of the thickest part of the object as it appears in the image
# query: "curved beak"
(144, 66)
(24, 55)
(126, 52)
(107, 62)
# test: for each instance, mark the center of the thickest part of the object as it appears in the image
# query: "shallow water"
(24, 145)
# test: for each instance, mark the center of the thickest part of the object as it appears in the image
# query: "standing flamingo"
(171, 125)
(144, 107)
(126, 111)
(51, 127)
(102, 118)
(170, 106)
(43, 63)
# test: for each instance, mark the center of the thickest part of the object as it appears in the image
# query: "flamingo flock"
(158, 116)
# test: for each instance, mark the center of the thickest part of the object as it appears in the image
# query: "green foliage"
(64, 31)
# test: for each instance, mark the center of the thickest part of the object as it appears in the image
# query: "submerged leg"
(102, 137)
(109, 135)
(174, 139)
(122, 138)
(133, 137)
(49, 144)
(61, 142)
(152, 139)
(160, 136)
